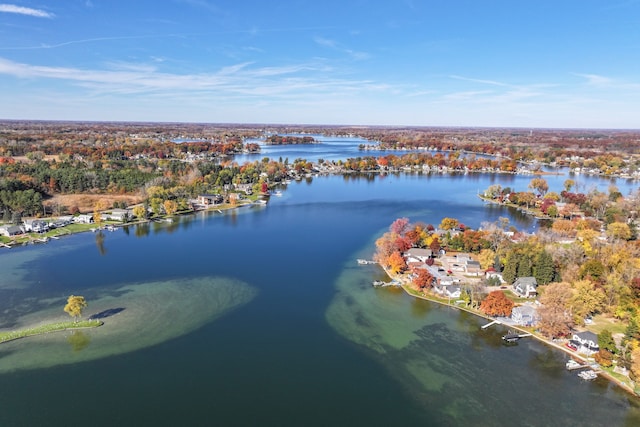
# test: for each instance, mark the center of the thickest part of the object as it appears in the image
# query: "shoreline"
(574, 355)
(33, 238)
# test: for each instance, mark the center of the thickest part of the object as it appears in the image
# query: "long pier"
(491, 323)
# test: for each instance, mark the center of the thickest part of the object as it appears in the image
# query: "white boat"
(588, 375)
(572, 364)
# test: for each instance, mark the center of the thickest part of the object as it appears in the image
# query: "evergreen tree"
(543, 269)
(525, 266)
(606, 342)
(509, 274)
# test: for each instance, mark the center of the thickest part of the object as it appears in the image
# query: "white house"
(418, 255)
(119, 214)
(35, 226)
(526, 287)
(448, 291)
(586, 342)
(83, 219)
(525, 315)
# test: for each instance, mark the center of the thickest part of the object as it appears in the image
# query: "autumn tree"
(497, 304)
(75, 305)
(587, 299)
(423, 279)
(635, 364)
(619, 231)
(568, 184)
(170, 207)
(486, 257)
(397, 263)
(399, 226)
(540, 185)
(139, 211)
(555, 317)
(448, 223)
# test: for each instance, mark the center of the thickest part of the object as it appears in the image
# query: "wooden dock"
(491, 323)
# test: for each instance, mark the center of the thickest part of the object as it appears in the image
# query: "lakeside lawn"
(50, 327)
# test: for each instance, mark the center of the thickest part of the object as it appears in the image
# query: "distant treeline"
(289, 140)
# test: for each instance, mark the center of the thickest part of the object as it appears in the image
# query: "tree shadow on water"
(106, 313)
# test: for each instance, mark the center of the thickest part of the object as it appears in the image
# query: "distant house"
(525, 315)
(526, 287)
(35, 226)
(210, 199)
(83, 219)
(586, 342)
(61, 221)
(11, 230)
(246, 188)
(490, 274)
(119, 215)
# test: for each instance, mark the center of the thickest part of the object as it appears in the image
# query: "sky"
(489, 63)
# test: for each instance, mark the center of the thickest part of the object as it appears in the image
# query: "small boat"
(588, 375)
(572, 364)
(511, 337)
(277, 193)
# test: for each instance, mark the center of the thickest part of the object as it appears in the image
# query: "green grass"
(601, 322)
(51, 327)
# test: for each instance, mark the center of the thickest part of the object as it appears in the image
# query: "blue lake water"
(261, 316)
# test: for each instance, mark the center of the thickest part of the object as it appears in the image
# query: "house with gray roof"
(11, 230)
(526, 287)
(586, 342)
(525, 315)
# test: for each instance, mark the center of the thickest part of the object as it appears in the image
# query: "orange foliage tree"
(397, 263)
(423, 279)
(496, 304)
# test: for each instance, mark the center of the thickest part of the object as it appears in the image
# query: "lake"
(261, 316)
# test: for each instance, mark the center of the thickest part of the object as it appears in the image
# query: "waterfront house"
(418, 255)
(119, 215)
(35, 226)
(448, 291)
(11, 230)
(586, 342)
(61, 221)
(83, 219)
(525, 315)
(526, 287)
(210, 199)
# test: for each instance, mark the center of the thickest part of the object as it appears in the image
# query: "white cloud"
(488, 82)
(11, 8)
(332, 44)
(596, 80)
(240, 79)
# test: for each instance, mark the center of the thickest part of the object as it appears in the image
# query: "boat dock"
(513, 337)
(491, 323)
(381, 284)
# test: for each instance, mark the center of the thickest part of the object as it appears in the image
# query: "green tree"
(510, 271)
(75, 305)
(606, 341)
(543, 268)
